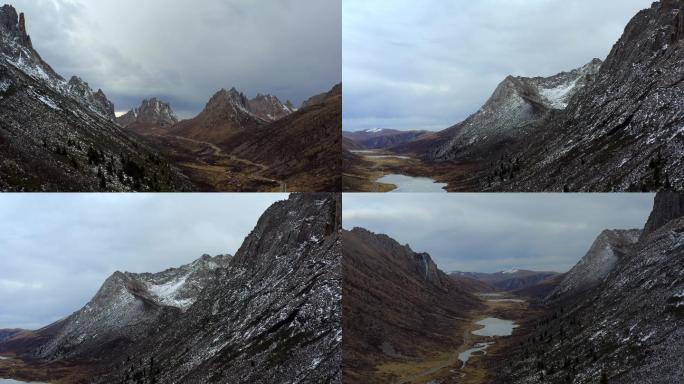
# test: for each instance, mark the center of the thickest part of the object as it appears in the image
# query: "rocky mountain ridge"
(59, 136)
(515, 104)
(151, 112)
(398, 306)
(623, 131)
(627, 328)
(378, 138)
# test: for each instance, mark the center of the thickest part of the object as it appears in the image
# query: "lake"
(495, 327)
(412, 184)
(10, 381)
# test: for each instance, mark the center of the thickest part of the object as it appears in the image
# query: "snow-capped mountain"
(274, 314)
(127, 306)
(80, 90)
(516, 103)
(269, 107)
(151, 113)
(625, 130)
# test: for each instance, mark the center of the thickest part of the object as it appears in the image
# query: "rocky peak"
(78, 89)
(667, 206)
(269, 107)
(151, 112)
(605, 252)
(13, 26)
(306, 218)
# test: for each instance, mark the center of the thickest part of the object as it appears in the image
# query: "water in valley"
(412, 184)
(492, 327)
(11, 381)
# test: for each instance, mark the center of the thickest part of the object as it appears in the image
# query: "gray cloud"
(430, 64)
(494, 232)
(184, 52)
(56, 250)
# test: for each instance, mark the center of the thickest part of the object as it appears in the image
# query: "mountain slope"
(272, 316)
(225, 115)
(397, 305)
(53, 138)
(516, 103)
(627, 329)
(624, 131)
(124, 310)
(303, 148)
(601, 258)
(269, 108)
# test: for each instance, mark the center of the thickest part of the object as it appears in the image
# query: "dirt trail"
(218, 152)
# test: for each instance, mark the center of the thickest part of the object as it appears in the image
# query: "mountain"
(125, 309)
(592, 269)
(97, 101)
(153, 114)
(272, 316)
(269, 314)
(58, 136)
(516, 103)
(7, 333)
(510, 280)
(397, 305)
(628, 328)
(542, 289)
(302, 148)
(378, 138)
(321, 97)
(623, 131)
(225, 115)
(269, 108)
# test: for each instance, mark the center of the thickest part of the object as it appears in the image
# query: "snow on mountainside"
(624, 131)
(601, 258)
(515, 104)
(627, 329)
(17, 51)
(127, 304)
(271, 316)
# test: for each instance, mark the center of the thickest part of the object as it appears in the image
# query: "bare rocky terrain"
(271, 313)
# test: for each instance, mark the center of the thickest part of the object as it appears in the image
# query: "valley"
(615, 316)
(611, 125)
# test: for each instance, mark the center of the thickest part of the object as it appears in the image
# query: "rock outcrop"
(269, 107)
(152, 113)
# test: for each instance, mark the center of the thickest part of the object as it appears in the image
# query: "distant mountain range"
(58, 135)
(271, 313)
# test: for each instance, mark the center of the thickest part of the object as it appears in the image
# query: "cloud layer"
(430, 64)
(494, 232)
(185, 51)
(56, 250)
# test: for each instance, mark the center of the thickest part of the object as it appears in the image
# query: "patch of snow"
(167, 292)
(510, 271)
(558, 96)
(373, 130)
(49, 102)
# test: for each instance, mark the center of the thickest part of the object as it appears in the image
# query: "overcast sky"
(430, 64)
(56, 250)
(185, 51)
(494, 232)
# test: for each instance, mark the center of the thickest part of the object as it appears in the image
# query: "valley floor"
(211, 169)
(54, 373)
(445, 367)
